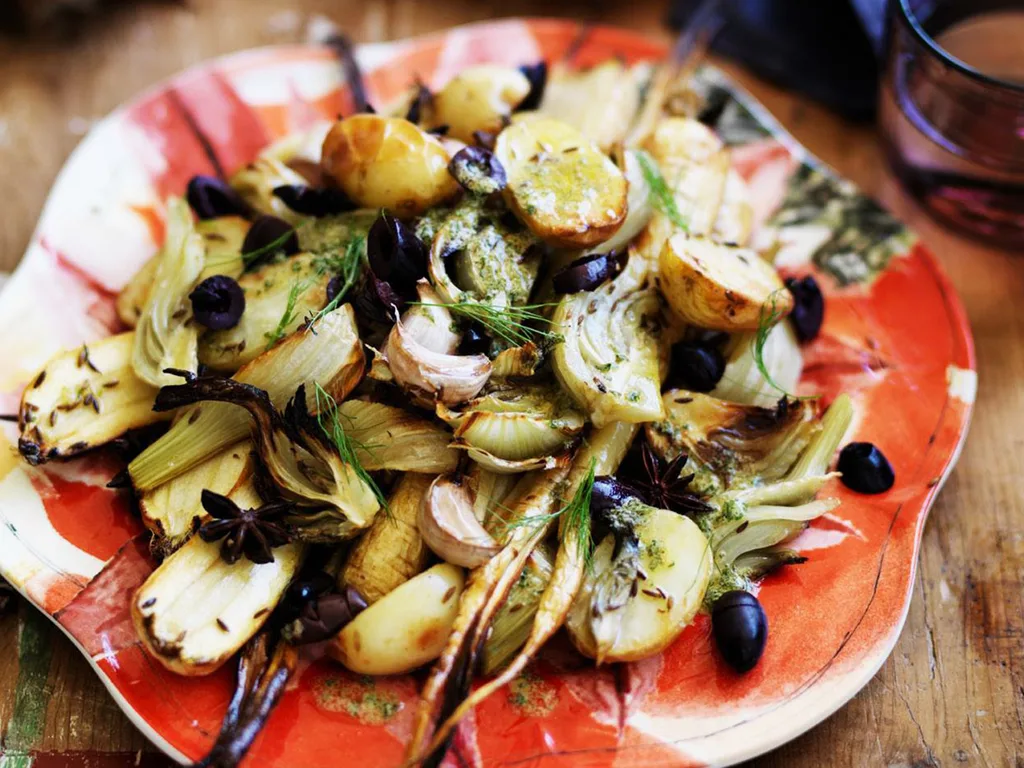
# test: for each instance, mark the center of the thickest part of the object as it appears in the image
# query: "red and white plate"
(895, 337)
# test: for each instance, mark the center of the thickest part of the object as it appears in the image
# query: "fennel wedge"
(166, 335)
(609, 361)
(84, 398)
(331, 356)
(196, 610)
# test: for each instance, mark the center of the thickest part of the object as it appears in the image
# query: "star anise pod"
(250, 532)
(665, 485)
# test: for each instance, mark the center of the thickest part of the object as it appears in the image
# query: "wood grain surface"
(951, 694)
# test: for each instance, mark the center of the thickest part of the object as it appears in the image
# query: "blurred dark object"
(820, 49)
(51, 17)
(6, 597)
(952, 111)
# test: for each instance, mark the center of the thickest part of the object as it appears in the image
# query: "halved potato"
(560, 184)
(406, 628)
(677, 563)
(721, 287)
(479, 98)
(387, 162)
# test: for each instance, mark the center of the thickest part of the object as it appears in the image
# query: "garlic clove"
(449, 526)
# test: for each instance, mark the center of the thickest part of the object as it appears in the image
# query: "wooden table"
(953, 690)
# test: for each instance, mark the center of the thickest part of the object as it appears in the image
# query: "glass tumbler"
(952, 111)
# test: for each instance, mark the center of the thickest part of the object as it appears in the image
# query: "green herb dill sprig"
(329, 417)
(510, 324)
(770, 315)
(661, 195)
(298, 288)
(348, 266)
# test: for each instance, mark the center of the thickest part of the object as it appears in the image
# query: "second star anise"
(250, 532)
(665, 485)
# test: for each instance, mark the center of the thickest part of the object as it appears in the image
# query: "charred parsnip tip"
(330, 355)
(392, 551)
(196, 610)
(406, 628)
(721, 287)
(433, 375)
(387, 162)
(449, 526)
(560, 184)
(82, 399)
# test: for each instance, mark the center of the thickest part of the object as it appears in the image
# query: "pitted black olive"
(865, 468)
(268, 235)
(808, 307)
(314, 201)
(218, 302)
(587, 273)
(608, 494)
(475, 341)
(695, 367)
(478, 171)
(211, 197)
(537, 74)
(397, 256)
(740, 627)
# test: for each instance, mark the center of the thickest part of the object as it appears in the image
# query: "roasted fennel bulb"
(609, 358)
(733, 445)
(645, 584)
(560, 184)
(196, 610)
(600, 102)
(743, 381)
(84, 398)
(279, 297)
(310, 459)
(222, 242)
(392, 551)
(387, 437)
(516, 429)
(173, 510)
(330, 355)
(166, 335)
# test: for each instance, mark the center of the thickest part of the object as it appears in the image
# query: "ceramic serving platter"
(895, 337)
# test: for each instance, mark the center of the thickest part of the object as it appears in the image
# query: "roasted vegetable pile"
(440, 381)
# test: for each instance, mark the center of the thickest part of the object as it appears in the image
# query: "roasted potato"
(560, 184)
(406, 628)
(676, 559)
(387, 162)
(479, 98)
(720, 287)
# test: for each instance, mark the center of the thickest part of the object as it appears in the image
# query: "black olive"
(333, 286)
(697, 368)
(586, 273)
(808, 307)
(322, 618)
(211, 197)
(218, 302)
(865, 468)
(439, 130)
(302, 591)
(314, 201)
(478, 171)
(608, 494)
(475, 341)
(378, 301)
(267, 236)
(537, 74)
(397, 256)
(741, 629)
(486, 140)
